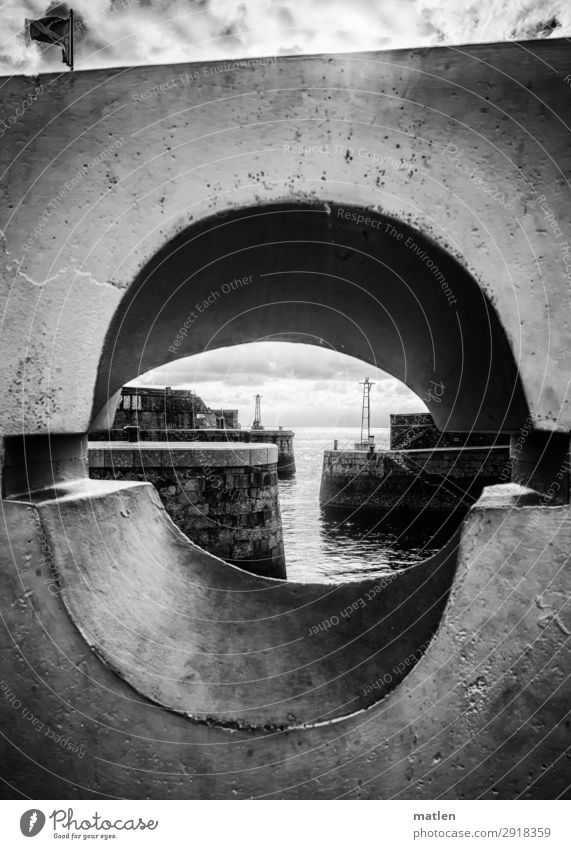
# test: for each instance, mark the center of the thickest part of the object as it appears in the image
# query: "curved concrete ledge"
(203, 638)
(481, 715)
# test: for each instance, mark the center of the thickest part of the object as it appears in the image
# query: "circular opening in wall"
(364, 488)
(348, 282)
(179, 624)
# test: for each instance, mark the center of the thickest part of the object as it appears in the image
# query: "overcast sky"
(300, 385)
(137, 32)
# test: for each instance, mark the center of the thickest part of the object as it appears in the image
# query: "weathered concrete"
(101, 266)
(36, 461)
(111, 227)
(482, 714)
(224, 498)
(541, 460)
(309, 661)
(391, 297)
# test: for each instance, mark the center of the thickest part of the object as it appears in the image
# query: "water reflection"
(364, 543)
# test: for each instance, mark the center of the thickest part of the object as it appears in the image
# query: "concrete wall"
(224, 499)
(74, 250)
(432, 479)
(120, 634)
(140, 631)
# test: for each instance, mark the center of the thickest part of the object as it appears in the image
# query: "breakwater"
(224, 498)
(282, 439)
(444, 471)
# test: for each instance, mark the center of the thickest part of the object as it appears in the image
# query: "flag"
(54, 30)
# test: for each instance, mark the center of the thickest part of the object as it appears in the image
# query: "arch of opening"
(356, 281)
(363, 284)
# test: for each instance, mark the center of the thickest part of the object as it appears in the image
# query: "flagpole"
(71, 39)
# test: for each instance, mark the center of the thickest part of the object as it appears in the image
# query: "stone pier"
(224, 498)
(283, 439)
(417, 479)
(425, 469)
(418, 430)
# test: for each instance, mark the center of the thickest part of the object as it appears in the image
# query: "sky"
(134, 32)
(300, 385)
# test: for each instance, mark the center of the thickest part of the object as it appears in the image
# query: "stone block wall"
(437, 479)
(155, 409)
(227, 418)
(418, 430)
(283, 439)
(225, 499)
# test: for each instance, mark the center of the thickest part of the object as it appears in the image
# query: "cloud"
(461, 21)
(266, 361)
(301, 385)
(138, 32)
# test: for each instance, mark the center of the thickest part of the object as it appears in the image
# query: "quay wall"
(168, 408)
(283, 439)
(418, 430)
(435, 479)
(224, 499)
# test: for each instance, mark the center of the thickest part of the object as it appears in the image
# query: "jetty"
(424, 469)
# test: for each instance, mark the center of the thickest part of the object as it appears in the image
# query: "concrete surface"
(212, 161)
(214, 642)
(481, 714)
(113, 216)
